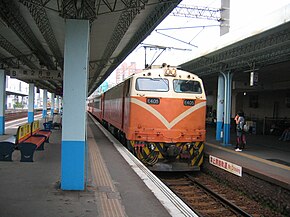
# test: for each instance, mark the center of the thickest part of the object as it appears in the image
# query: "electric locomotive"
(159, 115)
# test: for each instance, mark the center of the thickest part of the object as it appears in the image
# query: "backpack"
(241, 125)
(246, 128)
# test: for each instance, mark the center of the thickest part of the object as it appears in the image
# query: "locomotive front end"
(166, 124)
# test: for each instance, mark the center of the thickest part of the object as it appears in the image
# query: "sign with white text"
(36, 74)
(254, 77)
(225, 165)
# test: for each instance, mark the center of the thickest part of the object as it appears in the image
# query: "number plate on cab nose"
(155, 101)
(188, 102)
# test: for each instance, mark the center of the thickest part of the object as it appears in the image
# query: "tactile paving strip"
(109, 197)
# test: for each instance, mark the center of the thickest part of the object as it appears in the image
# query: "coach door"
(125, 103)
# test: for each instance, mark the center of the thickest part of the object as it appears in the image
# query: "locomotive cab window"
(152, 84)
(186, 86)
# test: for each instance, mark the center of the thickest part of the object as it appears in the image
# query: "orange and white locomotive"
(159, 114)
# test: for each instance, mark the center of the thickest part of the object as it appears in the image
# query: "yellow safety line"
(109, 207)
(251, 157)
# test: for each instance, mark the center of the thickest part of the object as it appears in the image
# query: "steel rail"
(226, 202)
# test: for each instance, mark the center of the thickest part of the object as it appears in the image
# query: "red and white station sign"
(225, 165)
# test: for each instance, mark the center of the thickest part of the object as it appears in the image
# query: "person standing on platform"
(241, 137)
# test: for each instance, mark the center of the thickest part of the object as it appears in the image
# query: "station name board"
(36, 74)
(225, 165)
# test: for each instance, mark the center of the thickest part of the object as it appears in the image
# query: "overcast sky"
(242, 13)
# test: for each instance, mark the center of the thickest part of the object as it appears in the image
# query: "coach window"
(152, 84)
(186, 86)
(97, 103)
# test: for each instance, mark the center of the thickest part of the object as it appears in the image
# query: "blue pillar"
(44, 109)
(227, 108)
(2, 101)
(52, 104)
(220, 108)
(31, 103)
(73, 149)
(57, 103)
(60, 104)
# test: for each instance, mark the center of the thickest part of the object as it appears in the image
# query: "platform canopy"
(32, 36)
(262, 46)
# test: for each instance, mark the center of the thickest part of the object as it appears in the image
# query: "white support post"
(52, 104)
(44, 109)
(73, 150)
(31, 103)
(2, 101)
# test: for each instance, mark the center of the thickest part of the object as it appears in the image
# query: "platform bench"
(28, 139)
(29, 145)
(37, 131)
(8, 146)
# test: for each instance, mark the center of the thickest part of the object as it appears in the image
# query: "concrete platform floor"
(32, 189)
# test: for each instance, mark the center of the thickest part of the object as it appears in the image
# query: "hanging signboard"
(36, 74)
(254, 77)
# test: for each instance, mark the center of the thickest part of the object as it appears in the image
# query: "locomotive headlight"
(188, 144)
(170, 72)
(152, 146)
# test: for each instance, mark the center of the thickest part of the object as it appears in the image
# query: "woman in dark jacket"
(241, 137)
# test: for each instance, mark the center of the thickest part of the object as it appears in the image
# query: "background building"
(125, 70)
(17, 94)
(119, 75)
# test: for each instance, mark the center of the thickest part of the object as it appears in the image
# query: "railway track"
(207, 197)
(13, 115)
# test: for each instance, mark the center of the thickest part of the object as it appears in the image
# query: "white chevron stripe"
(169, 125)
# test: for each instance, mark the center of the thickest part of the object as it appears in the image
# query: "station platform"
(32, 189)
(117, 184)
(264, 155)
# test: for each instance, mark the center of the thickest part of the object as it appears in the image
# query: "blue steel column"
(227, 108)
(44, 109)
(52, 104)
(60, 101)
(73, 150)
(57, 103)
(220, 108)
(2, 101)
(31, 103)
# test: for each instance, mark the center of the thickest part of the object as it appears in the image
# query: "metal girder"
(151, 22)
(78, 9)
(122, 26)
(197, 12)
(89, 9)
(25, 59)
(41, 19)
(94, 64)
(45, 85)
(8, 62)
(16, 59)
(15, 52)
(270, 47)
(10, 13)
(104, 6)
